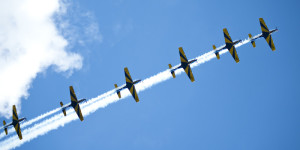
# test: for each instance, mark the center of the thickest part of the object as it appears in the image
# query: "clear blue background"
(250, 105)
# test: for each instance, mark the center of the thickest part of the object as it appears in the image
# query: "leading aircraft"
(129, 84)
(266, 33)
(185, 64)
(15, 122)
(74, 104)
(229, 45)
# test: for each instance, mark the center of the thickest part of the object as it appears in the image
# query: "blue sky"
(250, 105)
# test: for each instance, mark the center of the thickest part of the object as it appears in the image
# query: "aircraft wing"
(270, 42)
(75, 103)
(18, 130)
(73, 95)
(78, 112)
(15, 114)
(134, 93)
(185, 64)
(230, 46)
(17, 125)
(130, 85)
(266, 33)
(188, 71)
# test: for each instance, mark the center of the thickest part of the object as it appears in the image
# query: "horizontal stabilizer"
(118, 92)
(63, 110)
(216, 52)
(217, 55)
(172, 72)
(214, 47)
(252, 41)
(5, 129)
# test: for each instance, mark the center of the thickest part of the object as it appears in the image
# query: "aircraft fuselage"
(184, 64)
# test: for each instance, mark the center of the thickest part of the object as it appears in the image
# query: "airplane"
(185, 64)
(129, 84)
(265, 33)
(74, 103)
(229, 45)
(15, 122)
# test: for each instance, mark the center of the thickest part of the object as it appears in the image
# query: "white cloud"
(30, 42)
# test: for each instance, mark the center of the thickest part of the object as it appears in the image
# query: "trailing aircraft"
(15, 122)
(74, 103)
(129, 84)
(266, 33)
(229, 45)
(185, 64)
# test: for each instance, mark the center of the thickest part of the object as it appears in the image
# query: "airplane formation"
(130, 84)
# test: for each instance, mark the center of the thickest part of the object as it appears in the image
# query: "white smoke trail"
(59, 120)
(27, 123)
(94, 104)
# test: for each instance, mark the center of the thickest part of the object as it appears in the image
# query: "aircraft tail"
(63, 110)
(5, 129)
(118, 92)
(252, 41)
(172, 72)
(216, 53)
